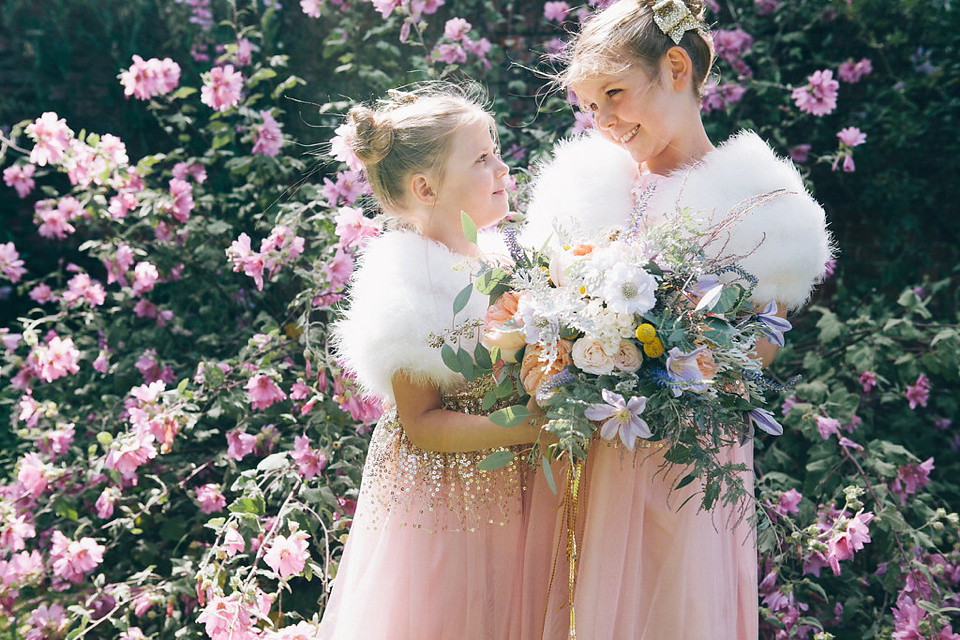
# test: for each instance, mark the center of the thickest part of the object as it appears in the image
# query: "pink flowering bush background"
(181, 453)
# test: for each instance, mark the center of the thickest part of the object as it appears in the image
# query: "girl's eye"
(612, 92)
(482, 158)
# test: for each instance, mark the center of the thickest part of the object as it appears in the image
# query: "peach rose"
(706, 364)
(628, 357)
(534, 373)
(590, 356)
(501, 328)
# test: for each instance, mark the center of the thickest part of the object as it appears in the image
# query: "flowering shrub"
(183, 455)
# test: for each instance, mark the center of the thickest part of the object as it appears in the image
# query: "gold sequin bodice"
(407, 486)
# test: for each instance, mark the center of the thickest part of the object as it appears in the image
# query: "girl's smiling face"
(473, 180)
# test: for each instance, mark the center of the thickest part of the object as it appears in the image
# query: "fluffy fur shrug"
(784, 240)
(402, 291)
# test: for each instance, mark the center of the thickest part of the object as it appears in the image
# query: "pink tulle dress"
(435, 548)
(648, 569)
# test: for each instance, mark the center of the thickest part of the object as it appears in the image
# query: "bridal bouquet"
(634, 334)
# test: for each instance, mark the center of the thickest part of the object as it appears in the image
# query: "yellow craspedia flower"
(646, 332)
(583, 290)
(654, 348)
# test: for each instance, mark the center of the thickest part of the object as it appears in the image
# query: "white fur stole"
(401, 292)
(780, 235)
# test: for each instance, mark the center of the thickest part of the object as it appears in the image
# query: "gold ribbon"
(674, 19)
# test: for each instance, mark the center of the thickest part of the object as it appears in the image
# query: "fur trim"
(782, 239)
(402, 291)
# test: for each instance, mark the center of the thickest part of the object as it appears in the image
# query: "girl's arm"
(433, 428)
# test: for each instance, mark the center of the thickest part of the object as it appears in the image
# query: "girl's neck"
(683, 152)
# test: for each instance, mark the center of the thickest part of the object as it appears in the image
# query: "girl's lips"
(628, 136)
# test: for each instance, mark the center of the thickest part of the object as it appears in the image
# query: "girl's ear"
(679, 66)
(421, 186)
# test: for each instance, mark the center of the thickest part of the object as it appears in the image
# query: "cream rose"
(590, 356)
(706, 364)
(501, 327)
(628, 357)
(534, 372)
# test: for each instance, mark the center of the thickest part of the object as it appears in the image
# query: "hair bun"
(373, 138)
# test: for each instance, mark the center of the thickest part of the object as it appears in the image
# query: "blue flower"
(765, 421)
(773, 325)
(621, 417)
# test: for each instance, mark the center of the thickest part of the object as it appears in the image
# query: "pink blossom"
(74, 558)
(851, 71)
(309, 461)
(349, 185)
(869, 380)
(767, 7)
(288, 555)
(151, 370)
(240, 444)
(341, 149)
(210, 497)
(819, 95)
(145, 276)
(228, 618)
(847, 443)
(479, 48)
(11, 266)
(303, 630)
(14, 531)
(195, 170)
(128, 452)
(456, 29)
(911, 478)
(54, 442)
(918, 394)
(132, 633)
(852, 136)
(263, 391)
(182, 193)
(299, 390)
(827, 426)
(113, 150)
(353, 228)
(148, 78)
(82, 287)
(105, 502)
(52, 222)
(731, 44)
(20, 177)
(338, 269)
(122, 204)
(450, 53)
(849, 537)
(556, 11)
(244, 258)
(47, 622)
(34, 474)
(221, 88)
(42, 294)
(311, 7)
(52, 137)
(233, 542)
(29, 410)
(800, 153)
(56, 359)
(582, 122)
(386, 7)
(268, 138)
(101, 363)
(789, 502)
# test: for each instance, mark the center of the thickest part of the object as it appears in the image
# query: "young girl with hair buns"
(649, 566)
(435, 547)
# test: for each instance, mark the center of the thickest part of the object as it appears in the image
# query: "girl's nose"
(605, 119)
(502, 169)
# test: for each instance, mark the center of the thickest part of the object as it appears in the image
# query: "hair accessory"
(401, 97)
(674, 19)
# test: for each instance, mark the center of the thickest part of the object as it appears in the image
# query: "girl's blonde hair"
(412, 131)
(625, 34)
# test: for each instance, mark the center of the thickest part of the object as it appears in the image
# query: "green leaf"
(465, 362)
(482, 357)
(449, 357)
(489, 399)
(729, 299)
(462, 298)
(548, 473)
(488, 280)
(469, 228)
(273, 462)
(687, 479)
(496, 460)
(510, 416)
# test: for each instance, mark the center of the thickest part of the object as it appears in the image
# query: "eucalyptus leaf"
(469, 228)
(510, 416)
(482, 357)
(466, 363)
(488, 280)
(462, 299)
(496, 460)
(449, 357)
(548, 473)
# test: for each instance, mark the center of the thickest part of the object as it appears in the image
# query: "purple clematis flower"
(621, 417)
(773, 325)
(765, 421)
(683, 368)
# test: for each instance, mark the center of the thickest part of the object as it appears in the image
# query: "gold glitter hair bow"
(401, 97)
(674, 19)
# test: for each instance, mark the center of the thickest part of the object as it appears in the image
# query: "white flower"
(629, 289)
